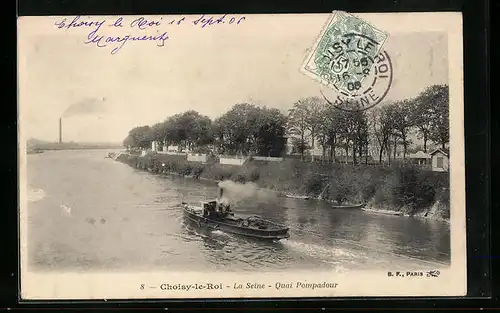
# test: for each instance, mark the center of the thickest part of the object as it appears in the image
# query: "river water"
(86, 212)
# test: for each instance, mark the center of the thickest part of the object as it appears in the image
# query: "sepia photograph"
(233, 155)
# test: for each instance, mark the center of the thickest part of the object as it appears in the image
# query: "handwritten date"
(137, 28)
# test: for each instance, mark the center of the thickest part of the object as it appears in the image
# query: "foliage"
(189, 129)
(299, 146)
(247, 129)
(422, 114)
(304, 122)
(413, 190)
(139, 137)
(328, 130)
(395, 188)
(382, 125)
(438, 96)
(313, 184)
(402, 122)
(270, 133)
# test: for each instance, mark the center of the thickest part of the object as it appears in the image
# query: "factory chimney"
(60, 130)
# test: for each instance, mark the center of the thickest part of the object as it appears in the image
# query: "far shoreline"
(36, 145)
(433, 212)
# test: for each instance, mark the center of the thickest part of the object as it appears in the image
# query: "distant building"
(198, 157)
(173, 149)
(440, 160)
(154, 145)
(233, 159)
(420, 158)
(316, 150)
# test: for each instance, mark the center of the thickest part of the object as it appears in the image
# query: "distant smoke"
(86, 106)
(234, 192)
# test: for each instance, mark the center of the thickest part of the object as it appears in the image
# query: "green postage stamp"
(344, 54)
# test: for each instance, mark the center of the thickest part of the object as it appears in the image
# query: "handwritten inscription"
(141, 29)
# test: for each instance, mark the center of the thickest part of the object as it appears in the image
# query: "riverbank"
(403, 191)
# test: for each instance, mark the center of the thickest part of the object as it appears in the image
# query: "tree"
(248, 129)
(157, 132)
(139, 137)
(430, 114)
(422, 113)
(129, 142)
(300, 146)
(348, 127)
(382, 125)
(304, 120)
(328, 130)
(236, 129)
(270, 135)
(361, 134)
(438, 97)
(189, 129)
(298, 126)
(170, 131)
(314, 107)
(402, 123)
(194, 130)
(346, 134)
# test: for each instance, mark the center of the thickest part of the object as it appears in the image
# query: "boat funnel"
(221, 192)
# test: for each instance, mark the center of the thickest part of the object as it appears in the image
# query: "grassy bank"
(408, 190)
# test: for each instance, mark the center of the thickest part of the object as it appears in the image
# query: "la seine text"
(238, 286)
(286, 285)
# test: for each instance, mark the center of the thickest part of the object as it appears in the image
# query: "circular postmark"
(355, 69)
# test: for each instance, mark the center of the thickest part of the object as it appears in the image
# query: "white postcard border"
(451, 281)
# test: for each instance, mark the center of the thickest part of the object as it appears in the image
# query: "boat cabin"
(215, 210)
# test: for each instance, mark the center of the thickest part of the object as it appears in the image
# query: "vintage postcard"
(241, 156)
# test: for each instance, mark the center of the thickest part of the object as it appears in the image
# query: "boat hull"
(383, 212)
(298, 197)
(348, 207)
(229, 226)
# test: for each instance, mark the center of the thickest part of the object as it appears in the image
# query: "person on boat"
(205, 209)
(228, 210)
(224, 207)
(213, 209)
(222, 204)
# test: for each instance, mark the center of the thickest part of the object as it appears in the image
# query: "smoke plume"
(86, 106)
(235, 192)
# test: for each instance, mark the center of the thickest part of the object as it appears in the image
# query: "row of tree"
(189, 129)
(244, 129)
(248, 129)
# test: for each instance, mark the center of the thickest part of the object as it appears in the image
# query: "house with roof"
(440, 160)
(420, 158)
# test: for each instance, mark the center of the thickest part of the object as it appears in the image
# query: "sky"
(204, 69)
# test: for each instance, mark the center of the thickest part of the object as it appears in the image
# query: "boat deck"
(252, 222)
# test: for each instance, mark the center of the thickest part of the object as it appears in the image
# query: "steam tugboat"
(217, 214)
